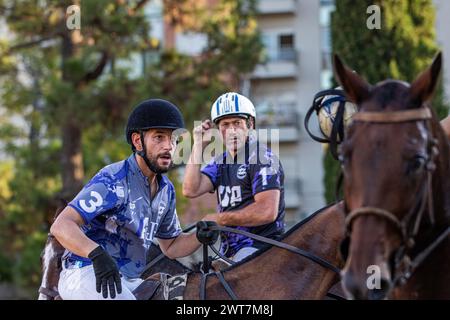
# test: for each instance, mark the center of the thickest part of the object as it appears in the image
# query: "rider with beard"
(109, 226)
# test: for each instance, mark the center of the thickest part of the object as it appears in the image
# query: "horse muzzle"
(375, 284)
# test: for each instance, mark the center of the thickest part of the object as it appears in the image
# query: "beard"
(155, 167)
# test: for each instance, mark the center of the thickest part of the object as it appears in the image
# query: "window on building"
(279, 46)
(286, 46)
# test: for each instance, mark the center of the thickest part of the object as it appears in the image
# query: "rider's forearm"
(193, 175)
(185, 244)
(69, 234)
(253, 215)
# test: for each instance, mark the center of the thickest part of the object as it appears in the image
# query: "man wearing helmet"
(109, 226)
(250, 193)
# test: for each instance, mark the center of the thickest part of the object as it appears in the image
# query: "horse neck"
(441, 176)
(287, 275)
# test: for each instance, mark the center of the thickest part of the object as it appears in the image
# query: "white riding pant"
(80, 284)
(243, 253)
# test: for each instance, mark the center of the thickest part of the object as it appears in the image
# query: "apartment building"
(443, 38)
(282, 89)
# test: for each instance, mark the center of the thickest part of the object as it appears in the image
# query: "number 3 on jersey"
(229, 196)
(93, 203)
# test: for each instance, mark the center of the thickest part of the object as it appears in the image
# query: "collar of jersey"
(135, 167)
(251, 146)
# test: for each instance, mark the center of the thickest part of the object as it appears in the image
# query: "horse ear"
(356, 88)
(422, 89)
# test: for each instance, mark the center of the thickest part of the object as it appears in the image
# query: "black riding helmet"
(153, 113)
(149, 114)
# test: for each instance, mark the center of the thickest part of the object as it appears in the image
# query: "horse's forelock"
(389, 95)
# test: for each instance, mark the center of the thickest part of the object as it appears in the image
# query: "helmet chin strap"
(143, 154)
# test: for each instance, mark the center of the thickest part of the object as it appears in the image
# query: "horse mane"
(62, 204)
(284, 236)
(153, 252)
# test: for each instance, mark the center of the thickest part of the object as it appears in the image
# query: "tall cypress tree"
(404, 45)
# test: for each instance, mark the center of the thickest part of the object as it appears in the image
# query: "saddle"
(162, 286)
(147, 289)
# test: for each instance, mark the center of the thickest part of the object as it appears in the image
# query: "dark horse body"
(276, 273)
(286, 275)
(396, 167)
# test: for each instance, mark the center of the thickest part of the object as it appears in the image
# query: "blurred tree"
(403, 47)
(66, 79)
(73, 89)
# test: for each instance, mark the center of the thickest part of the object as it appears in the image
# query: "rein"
(282, 245)
(322, 262)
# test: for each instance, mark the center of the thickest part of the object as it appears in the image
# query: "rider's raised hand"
(106, 273)
(202, 133)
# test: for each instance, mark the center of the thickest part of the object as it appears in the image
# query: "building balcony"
(282, 64)
(276, 7)
(283, 116)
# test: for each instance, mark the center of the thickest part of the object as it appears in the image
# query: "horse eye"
(416, 164)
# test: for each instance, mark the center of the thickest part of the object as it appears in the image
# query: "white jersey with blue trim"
(120, 216)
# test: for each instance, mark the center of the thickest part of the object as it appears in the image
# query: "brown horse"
(275, 273)
(287, 275)
(396, 168)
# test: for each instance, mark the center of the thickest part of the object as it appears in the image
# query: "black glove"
(204, 234)
(106, 273)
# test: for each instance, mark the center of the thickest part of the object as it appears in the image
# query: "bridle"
(402, 265)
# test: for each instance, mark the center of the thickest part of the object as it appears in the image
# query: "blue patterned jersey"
(236, 183)
(120, 216)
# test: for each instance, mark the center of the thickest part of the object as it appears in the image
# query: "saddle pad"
(173, 286)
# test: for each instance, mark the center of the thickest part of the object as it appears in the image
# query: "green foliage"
(331, 177)
(403, 47)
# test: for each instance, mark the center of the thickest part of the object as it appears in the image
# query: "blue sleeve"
(211, 170)
(266, 177)
(100, 195)
(170, 225)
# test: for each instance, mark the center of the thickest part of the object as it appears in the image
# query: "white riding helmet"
(232, 103)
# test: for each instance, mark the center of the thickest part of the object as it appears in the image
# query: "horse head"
(395, 161)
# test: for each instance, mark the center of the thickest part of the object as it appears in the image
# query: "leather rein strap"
(272, 242)
(282, 245)
(393, 116)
